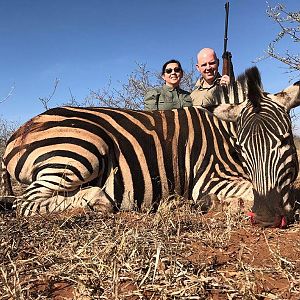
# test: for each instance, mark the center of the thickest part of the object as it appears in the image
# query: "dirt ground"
(177, 253)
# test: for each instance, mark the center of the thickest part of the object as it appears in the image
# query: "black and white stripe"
(140, 157)
(124, 159)
(266, 147)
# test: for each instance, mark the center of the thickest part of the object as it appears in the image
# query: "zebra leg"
(39, 199)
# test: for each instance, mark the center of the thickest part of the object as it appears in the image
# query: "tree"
(289, 23)
(6, 130)
(130, 94)
(6, 127)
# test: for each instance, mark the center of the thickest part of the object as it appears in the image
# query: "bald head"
(205, 52)
(207, 64)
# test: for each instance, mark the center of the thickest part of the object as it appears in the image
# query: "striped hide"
(111, 159)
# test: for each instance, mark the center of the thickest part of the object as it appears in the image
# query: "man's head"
(207, 64)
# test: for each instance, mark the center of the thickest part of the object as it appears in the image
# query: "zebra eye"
(238, 145)
(280, 94)
(236, 155)
(286, 140)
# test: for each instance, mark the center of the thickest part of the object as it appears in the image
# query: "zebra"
(111, 159)
(266, 147)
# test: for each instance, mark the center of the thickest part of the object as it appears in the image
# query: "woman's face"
(172, 75)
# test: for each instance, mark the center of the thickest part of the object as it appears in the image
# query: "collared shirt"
(202, 96)
(166, 98)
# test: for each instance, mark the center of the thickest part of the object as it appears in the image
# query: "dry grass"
(177, 253)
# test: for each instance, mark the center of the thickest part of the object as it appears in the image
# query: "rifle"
(227, 63)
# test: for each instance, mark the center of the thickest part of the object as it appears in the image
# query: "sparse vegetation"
(289, 31)
(176, 253)
(6, 130)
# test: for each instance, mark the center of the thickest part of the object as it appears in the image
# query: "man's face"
(208, 66)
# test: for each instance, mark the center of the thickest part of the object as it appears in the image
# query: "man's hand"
(225, 80)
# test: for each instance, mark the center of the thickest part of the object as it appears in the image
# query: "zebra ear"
(228, 112)
(289, 97)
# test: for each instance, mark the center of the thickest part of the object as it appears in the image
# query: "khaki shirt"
(202, 96)
(166, 98)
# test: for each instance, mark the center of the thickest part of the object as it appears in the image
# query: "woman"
(170, 95)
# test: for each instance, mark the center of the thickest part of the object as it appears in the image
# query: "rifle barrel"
(226, 26)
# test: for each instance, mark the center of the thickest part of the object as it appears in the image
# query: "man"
(207, 65)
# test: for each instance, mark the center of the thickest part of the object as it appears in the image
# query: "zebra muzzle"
(280, 222)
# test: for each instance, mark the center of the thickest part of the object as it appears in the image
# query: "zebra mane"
(247, 87)
(254, 86)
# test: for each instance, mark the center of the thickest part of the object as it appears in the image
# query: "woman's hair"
(171, 61)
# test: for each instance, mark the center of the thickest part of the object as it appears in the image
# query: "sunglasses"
(176, 70)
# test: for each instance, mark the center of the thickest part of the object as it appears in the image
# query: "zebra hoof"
(209, 202)
(234, 205)
(96, 199)
(6, 203)
(297, 215)
(102, 207)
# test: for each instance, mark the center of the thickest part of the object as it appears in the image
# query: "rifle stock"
(227, 65)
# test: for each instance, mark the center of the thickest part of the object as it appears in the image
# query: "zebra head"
(265, 145)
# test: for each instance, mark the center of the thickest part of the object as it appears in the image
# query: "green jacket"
(166, 98)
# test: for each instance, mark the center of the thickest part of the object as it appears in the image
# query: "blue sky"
(86, 43)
